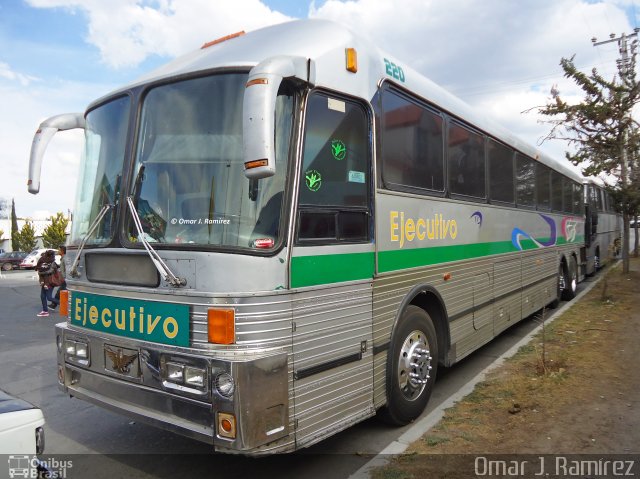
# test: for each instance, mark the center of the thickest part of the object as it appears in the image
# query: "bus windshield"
(101, 170)
(189, 185)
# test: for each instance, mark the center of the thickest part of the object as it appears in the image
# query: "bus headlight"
(194, 376)
(184, 374)
(175, 372)
(76, 349)
(224, 385)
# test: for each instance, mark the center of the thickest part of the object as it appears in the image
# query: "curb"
(421, 426)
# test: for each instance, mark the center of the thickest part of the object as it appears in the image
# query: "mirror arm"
(43, 135)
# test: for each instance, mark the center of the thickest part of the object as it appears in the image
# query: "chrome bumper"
(139, 390)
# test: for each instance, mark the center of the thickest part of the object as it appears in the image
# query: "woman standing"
(46, 268)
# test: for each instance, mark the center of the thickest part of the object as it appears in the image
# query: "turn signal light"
(64, 303)
(221, 326)
(226, 425)
(352, 59)
(255, 164)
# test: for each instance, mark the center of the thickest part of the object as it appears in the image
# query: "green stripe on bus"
(336, 268)
(412, 258)
(330, 268)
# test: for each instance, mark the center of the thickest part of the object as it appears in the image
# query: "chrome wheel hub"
(414, 365)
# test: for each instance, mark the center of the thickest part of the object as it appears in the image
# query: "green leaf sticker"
(313, 180)
(338, 149)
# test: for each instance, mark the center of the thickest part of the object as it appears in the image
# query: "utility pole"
(623, 65)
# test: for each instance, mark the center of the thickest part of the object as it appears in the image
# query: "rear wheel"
(412, 364)
(7, 267)
(570, 280)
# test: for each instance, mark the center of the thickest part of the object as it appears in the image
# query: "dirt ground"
(583, 398)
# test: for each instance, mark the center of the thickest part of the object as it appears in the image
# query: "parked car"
(30, 261)
(12, 260)
(21, 431)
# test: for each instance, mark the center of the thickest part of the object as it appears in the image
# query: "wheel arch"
(429, 299)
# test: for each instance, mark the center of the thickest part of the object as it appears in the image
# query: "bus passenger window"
(500, 160)
(543, 186)
(567, 194)
(578, 199)
(556, 191)
(412, 144)
(525, 181)
(466, 162)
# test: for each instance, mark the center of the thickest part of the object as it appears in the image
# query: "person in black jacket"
(46, 268)
(62, 251)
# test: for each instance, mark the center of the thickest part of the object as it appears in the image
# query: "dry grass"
(552, 397)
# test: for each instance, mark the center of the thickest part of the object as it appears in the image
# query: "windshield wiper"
(160, 265)
(74, 267)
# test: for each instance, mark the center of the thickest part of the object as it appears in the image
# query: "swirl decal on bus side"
(517, 234)
(569, 228)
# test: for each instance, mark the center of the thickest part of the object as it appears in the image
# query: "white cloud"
(128, 31)
(500, 56)
(8, 73)
(28, 106)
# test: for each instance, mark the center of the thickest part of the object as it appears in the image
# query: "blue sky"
(501, 56)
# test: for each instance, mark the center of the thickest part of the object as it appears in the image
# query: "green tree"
(15, 234)
(27, 237)
(54, 234)
(602, 131)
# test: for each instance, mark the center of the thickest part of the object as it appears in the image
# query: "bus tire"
(570, 280)
(412, 364)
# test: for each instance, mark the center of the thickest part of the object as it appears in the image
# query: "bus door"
(332, 266)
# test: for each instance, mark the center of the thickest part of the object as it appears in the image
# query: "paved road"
(104, 444)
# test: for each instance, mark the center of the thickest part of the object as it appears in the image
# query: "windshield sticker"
(336, 105)
(313, 179)
(356, 177)
(338, 149)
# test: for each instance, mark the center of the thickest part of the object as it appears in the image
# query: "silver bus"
(288, 231)
(603, 226)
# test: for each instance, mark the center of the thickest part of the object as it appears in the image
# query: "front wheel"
(412, 364)
(7, 267)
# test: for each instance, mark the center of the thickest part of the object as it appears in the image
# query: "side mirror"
(258, 111)
(43, 135)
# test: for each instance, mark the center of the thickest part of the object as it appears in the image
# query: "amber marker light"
(257, 81)
(64, 303)
(222, 39)
(226, 425)
(446, 276)
(255, 164)
(221, 326)
(352, 59)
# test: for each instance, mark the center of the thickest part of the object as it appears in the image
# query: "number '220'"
(394, 70)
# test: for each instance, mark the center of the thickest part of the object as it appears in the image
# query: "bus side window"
(412, 145)
(500, 158)
(525, 181)
(466, 162)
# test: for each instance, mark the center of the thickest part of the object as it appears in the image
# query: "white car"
(30, 261)
(21, 431)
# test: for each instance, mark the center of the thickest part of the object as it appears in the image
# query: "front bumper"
(140, 390)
